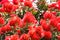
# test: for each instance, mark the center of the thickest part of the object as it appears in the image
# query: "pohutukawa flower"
(6, 28)
(54, 13)
(45, 25)
(2, 21)
(7, 38)
(54, 22)
(28, 17)
(21, 0)
(8, 7)
(15, 37)
(24, 37)
(15, 20)
(2, 9)
(40, 31)
(15, 2)
(1, 31)
(48, 35)
(58, 26)
(52, 5)
(12, 37)
(47, 15)
(58, 19)
(28, 3)
(4, 1)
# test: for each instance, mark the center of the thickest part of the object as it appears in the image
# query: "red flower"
(12, 15)
(45, 25)
(48, 35)
(47, 15)
(6, 28)
(40, 31)
(8, 7)
(58, 19)
(15, 20)
(12, 20)
(30, 0)
(19, 32)
(2, 21)
(36, 33)
(15, 2)
(4, 1)
(24, 37)
(54, 13)
(2, 9)
(52, 5)
(35, 36)
(31, 31)
(58, 2)
(1, 31)
(54, 22)
(21, 0)
(7, 38)
(14, 8)
(58, 26)
(28, 3)
(14, 37)
(28, 17)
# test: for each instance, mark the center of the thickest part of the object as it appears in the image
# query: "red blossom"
(40, 31)
(4, 1)
(53, 22)
(14, 37)
(15, 20)
(45, 25)
(2, 9)
(21, 0)
(54, 13)
(58, 26)
(48, 35)
(8, 7)
(33, 34)
(28, 3)
(6, 28)
(24, 37)
(7, 38)
(15, 2)
(35, 37)
(58, 19)
(1, 31)
(52, 5)
(12, 20)
(28, 17)
(19, 32)
(2, 21)
(47, 15)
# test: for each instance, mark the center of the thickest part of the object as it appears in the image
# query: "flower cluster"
(12, 6)
(15, 27)
(55, 5)
(48, 24)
